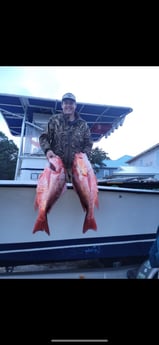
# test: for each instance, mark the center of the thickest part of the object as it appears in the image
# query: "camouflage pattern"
(66, 138)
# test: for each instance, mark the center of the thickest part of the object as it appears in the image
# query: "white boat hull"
(127, 220)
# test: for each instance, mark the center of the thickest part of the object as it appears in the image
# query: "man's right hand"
(50, 154)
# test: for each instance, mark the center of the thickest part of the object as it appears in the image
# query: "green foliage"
(8, 157)
(97, 157)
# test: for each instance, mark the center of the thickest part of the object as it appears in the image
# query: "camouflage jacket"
(66, 138)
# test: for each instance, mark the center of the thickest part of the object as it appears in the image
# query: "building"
(111, 166)
(147, 158)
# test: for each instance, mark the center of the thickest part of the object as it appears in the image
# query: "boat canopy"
(102, 119)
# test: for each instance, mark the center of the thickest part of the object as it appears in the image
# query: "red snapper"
(85, 184)
(51, 184)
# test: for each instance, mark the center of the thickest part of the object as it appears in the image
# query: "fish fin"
(36, 205)
(89, 223)
(81, 201)
(64, 189)
(41, 224)
(51, 204)
(82, 204)
(97, 202)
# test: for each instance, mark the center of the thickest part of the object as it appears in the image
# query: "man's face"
(68, 107)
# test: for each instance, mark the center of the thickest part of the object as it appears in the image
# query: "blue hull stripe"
(76, 242)
(90, 248)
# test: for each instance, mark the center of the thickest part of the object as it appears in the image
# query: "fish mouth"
(52, 167)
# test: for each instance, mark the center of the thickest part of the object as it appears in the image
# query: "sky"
(136, 87)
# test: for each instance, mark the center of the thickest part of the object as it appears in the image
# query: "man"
(67, 133)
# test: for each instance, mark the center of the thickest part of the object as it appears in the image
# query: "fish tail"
(41, 224)
(89, 223)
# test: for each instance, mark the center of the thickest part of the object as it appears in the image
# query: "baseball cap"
(69, 95)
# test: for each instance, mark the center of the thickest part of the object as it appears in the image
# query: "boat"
(127, 217)
(139, 177)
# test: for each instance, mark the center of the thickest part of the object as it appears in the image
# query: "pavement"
(69, 270)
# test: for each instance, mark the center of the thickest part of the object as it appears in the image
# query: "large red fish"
(85, 184)
(51, 184)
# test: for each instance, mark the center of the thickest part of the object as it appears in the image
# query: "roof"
(150, 149)
(116, 162)
(102, 119)
(136, 171)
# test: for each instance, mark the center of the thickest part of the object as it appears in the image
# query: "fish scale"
(85, 184)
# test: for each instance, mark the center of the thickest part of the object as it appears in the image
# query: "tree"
(97, 157)
(8, 157)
